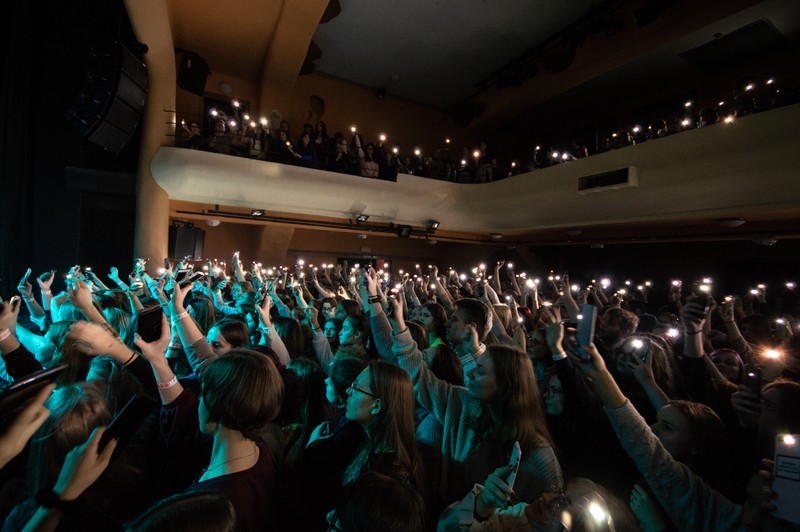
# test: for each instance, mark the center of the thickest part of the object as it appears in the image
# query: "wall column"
(150, 21)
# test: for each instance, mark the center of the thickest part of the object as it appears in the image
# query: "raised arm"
(269, 335)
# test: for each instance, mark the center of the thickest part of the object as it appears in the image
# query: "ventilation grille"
(613, 180)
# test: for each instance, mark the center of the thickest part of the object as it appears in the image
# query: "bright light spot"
(721, 103)
(575, 288)
(622, 291)
(579, 316)
(640, 287)
(648, 283)
(510, 265)
(729, 119)
(597, 511)
(476, 154)
(627, 282)
(232, 123)
(162, 270)
(761, 286)
(555, 155)
(536, 281)
(673, 333)
(605, 283)
(773, 353)
(463, 276)
(790, 285)
(780, 321)
(263, 121)
(770, 81)
(235, 103)
(749, 87)
(529, 283)
(676, 283)
(417, 152)
(353, 129)
(513, 164)
(463, 162)
(482, 266)
(613, 135)
(474, 271)
(707, 280)
(637, 129)
(754, 292)
(636, 343)
(686, 122)
(687, 103)
(788, 439)
(565, 156)
(447, 141)
(547, 304)
(705, 288)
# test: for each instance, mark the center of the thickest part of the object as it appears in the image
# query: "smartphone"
(516, 458)
(148, 324)
(191, 278)
(786, 477)
(127, 422)
(752, 379)
(586, 328)
(15, 396)
(638, 347)
(181, 274)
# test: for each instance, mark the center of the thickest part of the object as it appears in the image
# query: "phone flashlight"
(673, 333)
(382, 137)
(790, 285)
(676, 283)
(773, 353)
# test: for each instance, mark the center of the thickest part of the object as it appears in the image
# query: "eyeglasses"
(356, 388)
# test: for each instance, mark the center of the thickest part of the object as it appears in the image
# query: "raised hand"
(9, 312)
(178, 296)
(16, 435)
(79, 294)
(46, 280)
(83, 466)
(24, 287)
(155, 351)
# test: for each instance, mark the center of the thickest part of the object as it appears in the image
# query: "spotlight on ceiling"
(404, 231)
(257, 212)
(433, 226)
(361, 218)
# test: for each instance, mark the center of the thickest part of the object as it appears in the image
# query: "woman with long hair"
(499, 406)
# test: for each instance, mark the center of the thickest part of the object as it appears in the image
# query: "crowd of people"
(348, 153)
(354, 398)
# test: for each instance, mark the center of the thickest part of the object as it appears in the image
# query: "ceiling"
(443, 52)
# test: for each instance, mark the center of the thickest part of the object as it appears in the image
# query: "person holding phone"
(499, 405)
(686, 498)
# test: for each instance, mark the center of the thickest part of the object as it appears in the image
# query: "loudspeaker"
(193, 73)
(111, 102)
(185, 242)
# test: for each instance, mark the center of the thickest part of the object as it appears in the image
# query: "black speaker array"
(185, 242)
(111, 102)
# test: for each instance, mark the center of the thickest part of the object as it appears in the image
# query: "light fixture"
(433, 226)
(730, 222)
(257, 212)
(361, 218)
(403, 231)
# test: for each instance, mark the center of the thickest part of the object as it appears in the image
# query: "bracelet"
(47, 291)
(178, 317)
(28, 298)
(374, 299)
(51, 500)
(5, 333)
(133, 355)
(693, 333)
(169, 384)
